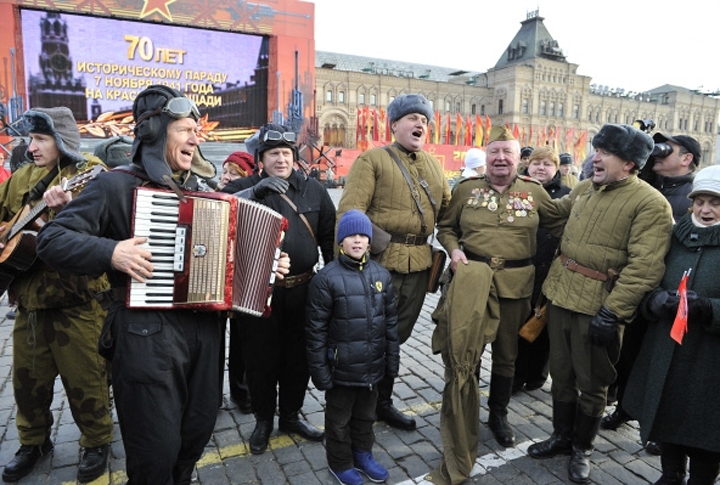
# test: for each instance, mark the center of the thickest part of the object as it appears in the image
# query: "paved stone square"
(409, 456)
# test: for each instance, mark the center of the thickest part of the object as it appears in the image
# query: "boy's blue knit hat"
(354, 222)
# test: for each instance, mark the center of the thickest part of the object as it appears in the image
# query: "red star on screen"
(159, 6)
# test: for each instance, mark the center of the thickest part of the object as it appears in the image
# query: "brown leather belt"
(409, 239)
(590, 273)
(296, 280)
(498, 263)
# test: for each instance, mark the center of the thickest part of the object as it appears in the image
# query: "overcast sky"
(629, 44)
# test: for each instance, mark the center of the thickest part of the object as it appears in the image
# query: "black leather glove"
(700, 310)
(266, 186)
(664, 304)
(603, 328)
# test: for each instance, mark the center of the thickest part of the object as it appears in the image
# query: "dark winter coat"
(676, 190)
(673, 390)
(352, 337)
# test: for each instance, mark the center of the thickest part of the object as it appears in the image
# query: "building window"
(432, 104)
(372, 100)
(473, 109)
(543, 108)
(482, 110)
(561, 110)
(447, 106)
(457, 107)
(328, 96)
(341, 97)
(525, 104)
(500, 107)
(552, 108)
(576, 111)
(361, 98)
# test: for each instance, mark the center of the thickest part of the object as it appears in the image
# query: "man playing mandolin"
(59, 317)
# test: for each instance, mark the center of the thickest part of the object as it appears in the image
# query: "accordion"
(210, 251)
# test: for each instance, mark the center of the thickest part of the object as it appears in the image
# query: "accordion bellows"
(210, 251)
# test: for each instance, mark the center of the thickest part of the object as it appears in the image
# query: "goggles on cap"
(176, 108)
(274, 136)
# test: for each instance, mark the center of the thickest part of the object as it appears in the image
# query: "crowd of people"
(619, 264)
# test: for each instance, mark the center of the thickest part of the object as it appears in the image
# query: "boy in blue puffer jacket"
(352, 343)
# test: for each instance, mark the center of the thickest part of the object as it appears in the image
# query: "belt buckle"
(290, 281)
(570, 262)
(497, 263)
(409, 240)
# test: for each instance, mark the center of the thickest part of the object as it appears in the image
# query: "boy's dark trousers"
(349, 418)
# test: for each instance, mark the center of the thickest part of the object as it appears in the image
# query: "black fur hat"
(626, 142)
(409, 103)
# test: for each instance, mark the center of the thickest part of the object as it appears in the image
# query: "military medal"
(492, 206)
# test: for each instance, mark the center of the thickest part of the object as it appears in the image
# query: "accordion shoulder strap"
(302, 216)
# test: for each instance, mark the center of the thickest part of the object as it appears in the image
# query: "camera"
(661, 150)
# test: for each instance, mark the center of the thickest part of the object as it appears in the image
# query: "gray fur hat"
(409, 103)
(626, 142)
(60, 124)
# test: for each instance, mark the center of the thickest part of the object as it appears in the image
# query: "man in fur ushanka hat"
(612, 253)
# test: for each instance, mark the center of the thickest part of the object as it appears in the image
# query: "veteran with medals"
(489, 230)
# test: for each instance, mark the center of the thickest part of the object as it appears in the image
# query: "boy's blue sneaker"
(348, 477)
(365, 463)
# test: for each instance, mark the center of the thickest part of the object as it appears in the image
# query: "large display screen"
(98, 65)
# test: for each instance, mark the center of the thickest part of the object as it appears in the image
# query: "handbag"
(534, 325)
(439, 257)
(379, 242)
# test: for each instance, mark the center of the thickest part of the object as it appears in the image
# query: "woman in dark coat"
(531, 364)
(674, 390)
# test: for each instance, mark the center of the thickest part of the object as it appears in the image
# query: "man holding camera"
(674, 160)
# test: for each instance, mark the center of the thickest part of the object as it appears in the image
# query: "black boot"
(560, 442)
(703, 472)
(500, 391)
(93, 464)
(260, 436)
(586, 428)
(291, 423)
(385, 411)
(182, 473)
(674, 463)
(615, 420)
(24, 460)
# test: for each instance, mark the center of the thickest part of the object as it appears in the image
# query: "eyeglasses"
(274, 136)
(176, 108)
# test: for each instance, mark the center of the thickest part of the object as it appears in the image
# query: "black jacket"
(676, 190)
(351, 330)
(312, 200)
(85, 233)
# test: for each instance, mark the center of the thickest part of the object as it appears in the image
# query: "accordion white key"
(210, 251)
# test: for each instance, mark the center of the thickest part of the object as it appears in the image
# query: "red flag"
(479, 130)
(679, 327)
(488, 127)
(458, 128)
(569, 139)
(376, 126)
(388, 131)
(468, 131)
(447, 128)
(580, 147)
(358, 127)
(516, 131)
(438, 125)
(530, 142)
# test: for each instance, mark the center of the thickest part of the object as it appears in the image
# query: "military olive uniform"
(56, 331)
(500, 229)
